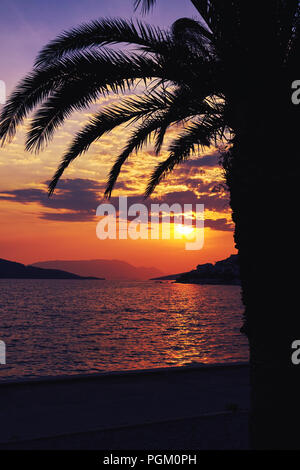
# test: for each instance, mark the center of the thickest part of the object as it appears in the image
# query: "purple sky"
(26, 25)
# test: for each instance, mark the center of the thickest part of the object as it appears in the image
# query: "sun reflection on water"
(67, 327)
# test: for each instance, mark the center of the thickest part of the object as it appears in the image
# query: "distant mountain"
(110, 269)
(223, 272)
(12, 270)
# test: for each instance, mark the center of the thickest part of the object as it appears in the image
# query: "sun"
(184, 229)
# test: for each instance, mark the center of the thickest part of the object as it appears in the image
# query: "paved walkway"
(148, 409)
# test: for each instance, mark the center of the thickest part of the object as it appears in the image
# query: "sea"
(71, 327)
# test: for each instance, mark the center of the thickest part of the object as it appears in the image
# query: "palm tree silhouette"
(227, 78)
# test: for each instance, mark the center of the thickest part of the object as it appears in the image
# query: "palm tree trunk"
(263, 186)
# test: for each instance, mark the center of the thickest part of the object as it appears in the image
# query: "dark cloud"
(195, 167)
(206, 161)
(212, 201)
(22, 195)
(76, 200)
(124, 186)
(200, 186)
(219, 224)
(77, 184)
(82, 216)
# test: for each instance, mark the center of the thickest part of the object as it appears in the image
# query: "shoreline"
(120, 373)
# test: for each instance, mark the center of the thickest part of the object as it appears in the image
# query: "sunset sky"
(36, 228)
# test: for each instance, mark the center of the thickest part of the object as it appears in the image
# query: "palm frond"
(158, 124)
(158, 109)
(56, 109)
(145, 4)
(30, 91)
(204, 8)
(160, 137)
(129, 109)
(185, 104)
(140, 137)
(106, 71)
(178, 69)
(196, 136)
(106, 31)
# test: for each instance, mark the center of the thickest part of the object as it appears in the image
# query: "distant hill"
(223, 272)
(12, 270)
(110, 269)
(169, 277)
